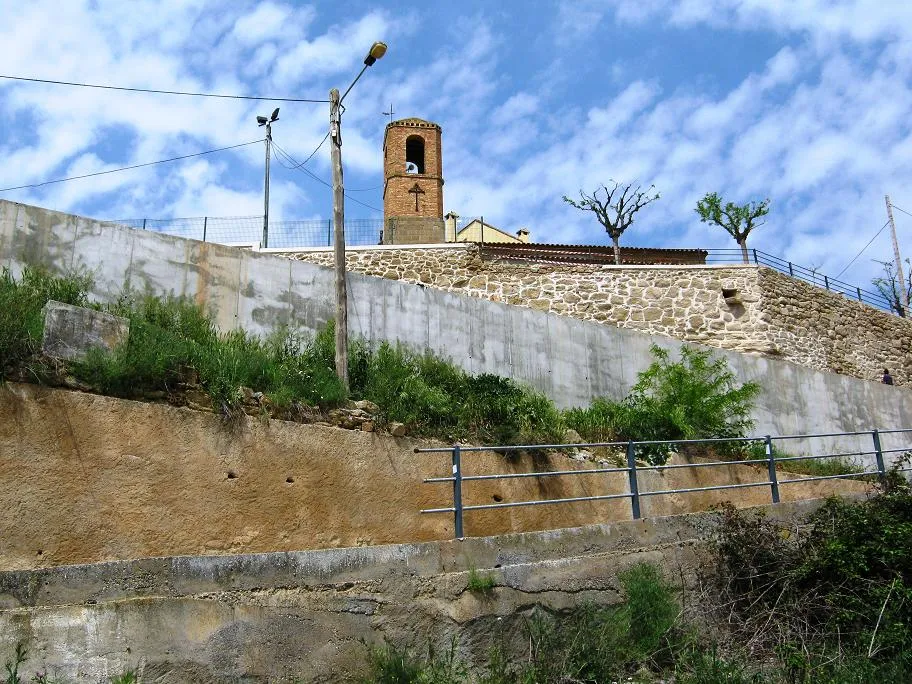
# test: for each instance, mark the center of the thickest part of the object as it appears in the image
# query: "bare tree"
(616, 211)
(888, 286)
(737, 220)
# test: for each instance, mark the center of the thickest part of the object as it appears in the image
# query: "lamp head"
(275, 115)
(262, 120)
(377, 51)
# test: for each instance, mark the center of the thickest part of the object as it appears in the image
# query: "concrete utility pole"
(335, 137)
(903, 291)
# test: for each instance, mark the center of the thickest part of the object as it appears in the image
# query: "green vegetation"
(830, 604)
(481, 582)
(21, 315)
(11, 667)
(735, 219)
(693, 398)
(173, 341)
(816, 467)
(174, 345)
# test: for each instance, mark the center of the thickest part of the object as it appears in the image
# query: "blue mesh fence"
(248, 230)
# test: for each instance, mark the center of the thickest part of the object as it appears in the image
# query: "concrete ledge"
(179, 576)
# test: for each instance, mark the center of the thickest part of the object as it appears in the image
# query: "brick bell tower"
(413, 183)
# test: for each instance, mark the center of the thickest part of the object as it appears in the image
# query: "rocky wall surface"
(829, 331)
(310, 616)
(741, 308)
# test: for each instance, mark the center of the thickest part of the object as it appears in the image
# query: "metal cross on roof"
(416, 190)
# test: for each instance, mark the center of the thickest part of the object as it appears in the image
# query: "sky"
(805, 102)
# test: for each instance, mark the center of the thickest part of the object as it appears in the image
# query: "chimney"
(523, 235)
(449, 222)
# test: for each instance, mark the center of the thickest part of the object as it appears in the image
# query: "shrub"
(842, 586)
(694, 398)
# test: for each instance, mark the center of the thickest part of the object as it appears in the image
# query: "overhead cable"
(864, 248)
(298, 166)
(127, 168)
(159, 92)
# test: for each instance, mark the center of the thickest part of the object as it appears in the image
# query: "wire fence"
(773, 467)
(809, 275)
(248, 231)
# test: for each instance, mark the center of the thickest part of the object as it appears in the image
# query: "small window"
(414, 154)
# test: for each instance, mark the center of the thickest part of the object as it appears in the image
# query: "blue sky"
(807, 102)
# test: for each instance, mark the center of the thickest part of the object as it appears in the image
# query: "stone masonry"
(747, 309)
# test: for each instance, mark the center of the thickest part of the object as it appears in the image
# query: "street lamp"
(263, 121)
(376, 51)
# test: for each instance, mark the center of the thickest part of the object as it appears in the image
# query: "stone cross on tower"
(416, 190)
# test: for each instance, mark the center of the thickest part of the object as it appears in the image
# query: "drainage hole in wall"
(729, 292)
(40, 552)
(231, 475)
(289, 480)
(497, 497)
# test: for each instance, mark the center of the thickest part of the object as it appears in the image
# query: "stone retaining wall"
(742, 308)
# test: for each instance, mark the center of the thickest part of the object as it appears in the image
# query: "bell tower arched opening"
(414, 154)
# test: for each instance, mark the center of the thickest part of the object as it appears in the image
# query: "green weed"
(21, 309)
(481, 582)
(12, 666)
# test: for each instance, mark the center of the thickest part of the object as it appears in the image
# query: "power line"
(316, 149)
(127, 168)
(300, 167)
(159, 92)
(898, 209)
(864, 248)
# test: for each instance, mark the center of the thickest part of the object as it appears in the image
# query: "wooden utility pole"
(903, 291)
(335, 137)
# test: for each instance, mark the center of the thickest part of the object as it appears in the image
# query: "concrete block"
(70, 331)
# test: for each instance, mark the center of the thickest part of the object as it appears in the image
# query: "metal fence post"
(771, 464)
(755, 257)
(632, 476)
(457, 491)
(826, 282)
(329, 232)
(144, 224)
(791, 272)
(205, 225)
(878, 454)
(858, 289)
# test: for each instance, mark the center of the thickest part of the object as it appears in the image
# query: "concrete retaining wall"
(572, 361)
(307, 616)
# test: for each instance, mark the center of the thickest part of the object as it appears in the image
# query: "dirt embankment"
(86, 478)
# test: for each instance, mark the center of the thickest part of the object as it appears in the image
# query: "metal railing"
(635, 493)
(808, 275)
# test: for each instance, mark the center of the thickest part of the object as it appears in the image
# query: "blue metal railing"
(634, 492)
(809, 275)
